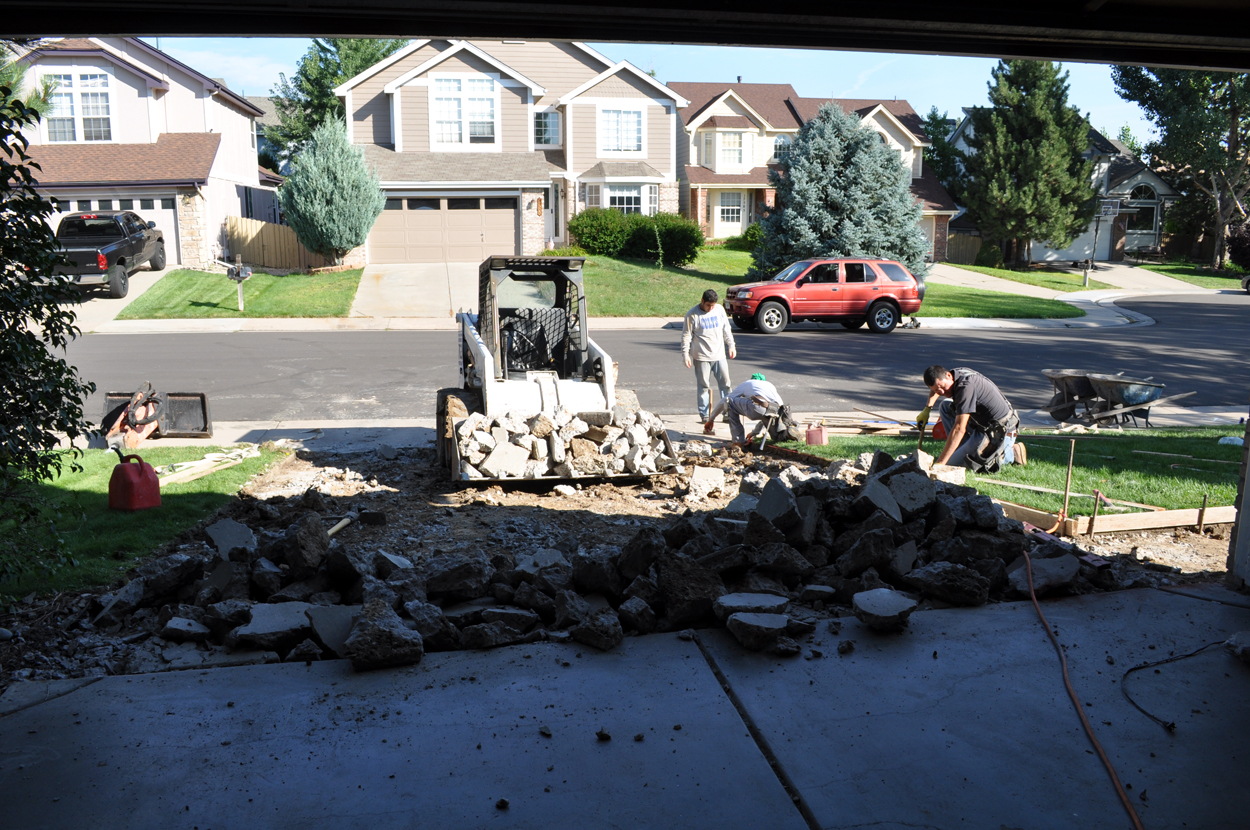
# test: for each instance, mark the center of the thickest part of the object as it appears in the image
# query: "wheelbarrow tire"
(119, 282)
(1063, 413)
(451, 405)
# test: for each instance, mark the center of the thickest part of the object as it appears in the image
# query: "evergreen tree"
(942, 158)
(331, 199)
(1203, 122)
(841, 192)
(308, 99)
(1131, 141)
(1028, 178)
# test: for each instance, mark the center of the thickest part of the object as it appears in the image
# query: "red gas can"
(134, 486)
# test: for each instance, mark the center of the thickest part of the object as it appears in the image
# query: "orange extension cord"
(1089, 730)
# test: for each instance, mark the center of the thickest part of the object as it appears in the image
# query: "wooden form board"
(1154, 520)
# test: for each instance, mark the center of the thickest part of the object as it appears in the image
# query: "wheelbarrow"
(1092, 397)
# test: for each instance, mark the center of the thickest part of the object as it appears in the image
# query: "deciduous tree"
(943, 158)
(1203, 123)
(1027, 176)
(841, 192)
(331, 199)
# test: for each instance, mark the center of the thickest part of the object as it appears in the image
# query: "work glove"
(922, 420)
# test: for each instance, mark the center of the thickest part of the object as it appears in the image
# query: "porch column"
(941, 228)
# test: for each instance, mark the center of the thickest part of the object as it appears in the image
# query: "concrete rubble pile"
(878, 539)
(563, 445)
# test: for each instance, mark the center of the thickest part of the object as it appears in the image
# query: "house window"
(107, 204)
(481, 111)
(731, 208)
(653, 199)
(247, 198)
(447, 123)
(624, 199)
(620, 131)
(731, 148)
(547, 129)
(148, 204)
(61, 114)
(96, 121)
(84, 205)
(781, 147)
(166, 204)
(592, 196)
(253, 123)
(125, 204)
(465, 111)
(1144, 217)
(709, 153)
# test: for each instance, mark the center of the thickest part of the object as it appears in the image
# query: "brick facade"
(670, 197)
(533, 224)
(941, 233)
(698, 208)
(193, 232)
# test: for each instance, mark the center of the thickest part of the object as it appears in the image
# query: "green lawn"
(1106, 462)
(1041, 277)
(957, 301)
(184, 294)
(630, 288)
(1197, 275)
(107, 542)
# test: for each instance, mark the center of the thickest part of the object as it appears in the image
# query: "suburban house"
(732, 135)
(130, 128)
(490, 147)
(1134, 197)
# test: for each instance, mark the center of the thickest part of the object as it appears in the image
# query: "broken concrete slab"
(883, 609)
(518, 618)
(275, 627)
(229, 535)
(489, 635)
(602, 631)
(914, 493)
(182, 630)
(460, 575)
(731, 604)
(778, 504)
(688, 589)
(873, 549)
(380, 640)
(756, 632)
(876, 496)
(706, 481)
(637, 615)
(506, 460)
(1049, 575)
(332, 624)
(307, 543)
(640, 552)
(950, 582)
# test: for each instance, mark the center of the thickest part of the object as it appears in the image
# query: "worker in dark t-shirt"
(980, 422)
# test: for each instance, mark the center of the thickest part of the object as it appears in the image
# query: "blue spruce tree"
(842, 192)
(331, 198)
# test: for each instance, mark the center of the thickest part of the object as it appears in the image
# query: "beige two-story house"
(490, 147)
(732, 135)
(130, 128)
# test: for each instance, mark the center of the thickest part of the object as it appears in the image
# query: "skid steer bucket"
(185, 415)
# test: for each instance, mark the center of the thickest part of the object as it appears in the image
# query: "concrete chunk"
(757, 632)
(876, 496)
(506, 460)
(380, 640)
(228, 535)
(275, 627)
(731, 604)
(883, 609)
(332, 624)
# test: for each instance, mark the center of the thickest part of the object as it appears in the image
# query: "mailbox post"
(239, 273)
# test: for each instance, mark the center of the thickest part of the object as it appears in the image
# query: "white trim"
(707, 112)
(638, 105)
(529, 116)
(458, 185)
(454, 194)
(915, 140)
(75, 91)
(397, 122)
(625, 179)
(668, 94)
(351, 118)
(153, 133)
(130, 63)
(399, 55)
(535, 111)
(465, 146)
(567, 126)
(672, 144)
(604, 59)
(461, 46)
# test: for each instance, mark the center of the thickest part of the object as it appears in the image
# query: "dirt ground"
(52, 638)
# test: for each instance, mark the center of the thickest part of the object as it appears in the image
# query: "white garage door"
(156, 208)
(445, 229)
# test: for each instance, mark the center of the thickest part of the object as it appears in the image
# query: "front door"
(819, 292)
(730, 214)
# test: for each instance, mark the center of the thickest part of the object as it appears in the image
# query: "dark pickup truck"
(106, 247)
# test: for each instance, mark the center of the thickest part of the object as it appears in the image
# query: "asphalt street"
(1198, 344)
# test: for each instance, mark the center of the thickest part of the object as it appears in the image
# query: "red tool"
(134, 486)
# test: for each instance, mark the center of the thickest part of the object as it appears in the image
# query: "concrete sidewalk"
(960, 721)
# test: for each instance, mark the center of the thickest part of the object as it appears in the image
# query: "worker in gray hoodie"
(706, 343)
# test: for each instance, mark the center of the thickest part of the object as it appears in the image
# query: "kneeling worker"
(980, 422)
(758, 400)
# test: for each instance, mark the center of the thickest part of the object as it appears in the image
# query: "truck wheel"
(851, 325)
(745, 322)
(451, 405)
(157, 262)
(772, 317)
(119, 282)
(882, 318)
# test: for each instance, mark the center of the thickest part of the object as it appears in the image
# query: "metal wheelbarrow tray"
(1103, 396)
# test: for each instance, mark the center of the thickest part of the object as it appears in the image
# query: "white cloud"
(863, 77)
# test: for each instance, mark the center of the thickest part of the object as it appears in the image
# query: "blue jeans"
(705, 371)
(973, 438)
(743, 407)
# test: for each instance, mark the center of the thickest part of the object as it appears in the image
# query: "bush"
(600, 230)
(1239, 245)
(665, 238)
(750, 238)
(567, 250)
(990, 255)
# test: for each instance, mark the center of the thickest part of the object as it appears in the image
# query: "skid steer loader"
(527, 351)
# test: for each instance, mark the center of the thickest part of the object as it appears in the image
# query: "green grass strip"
(1197, 275)
(186, 295)
(1041, 277)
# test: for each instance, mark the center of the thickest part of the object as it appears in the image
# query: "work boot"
(1020, 454)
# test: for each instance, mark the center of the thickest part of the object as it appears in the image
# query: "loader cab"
(532, 315)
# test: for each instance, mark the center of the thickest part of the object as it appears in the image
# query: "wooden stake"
(1067, 488)
(1202, 515)
(1094, 519)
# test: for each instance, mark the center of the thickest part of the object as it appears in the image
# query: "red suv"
(846, 291)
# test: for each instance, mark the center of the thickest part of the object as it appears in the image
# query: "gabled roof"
(621, 170)
(901, 111)
(269, 111)
(267, 176)
(932, 195)
(731, 121)
(626, 66)
(397, 55)
(769, 100)
(175, 158)
(80, 46)
(458, 47)
(755, 177)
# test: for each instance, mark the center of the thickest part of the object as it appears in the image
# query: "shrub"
(1239, 245)
(567, 250)
(990, 255)
(750, 238)
(681, 237)
(600, 230)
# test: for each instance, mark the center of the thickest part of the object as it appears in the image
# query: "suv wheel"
(882, 317)
(851, 325)
(771, 317)
(119, 282)
(745, 322)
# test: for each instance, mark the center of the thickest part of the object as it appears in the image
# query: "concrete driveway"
(434, 289)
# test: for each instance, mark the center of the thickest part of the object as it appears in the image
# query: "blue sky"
(252, 65)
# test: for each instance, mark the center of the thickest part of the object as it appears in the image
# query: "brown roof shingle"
(757, 177)
(808, 107)
(175, 158)
(769, 100)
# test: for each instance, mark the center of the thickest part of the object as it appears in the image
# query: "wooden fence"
(268, 245)
(962, 248)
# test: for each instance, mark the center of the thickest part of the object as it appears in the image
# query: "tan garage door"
(444, 229)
